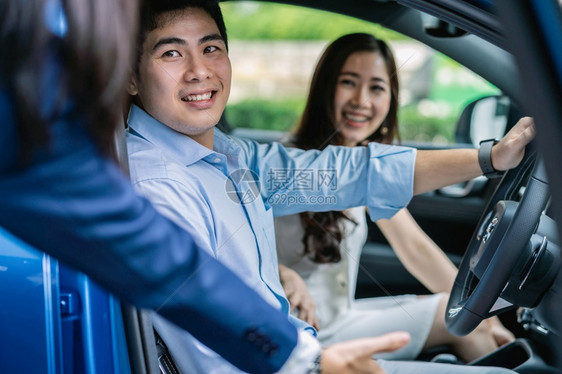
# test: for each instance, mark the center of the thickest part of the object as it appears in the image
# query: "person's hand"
(509, 152)
(298, 295)
(500, 334)
(355, 356)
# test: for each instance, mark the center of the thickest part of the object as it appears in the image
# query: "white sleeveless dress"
(332, 286)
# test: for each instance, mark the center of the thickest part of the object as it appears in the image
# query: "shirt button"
(341, 279)
(251, 334)
(216, 160)
(273, 350)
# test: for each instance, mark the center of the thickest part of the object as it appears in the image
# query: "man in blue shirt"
(225, 191)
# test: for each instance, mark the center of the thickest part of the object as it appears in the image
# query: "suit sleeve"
(81, 209)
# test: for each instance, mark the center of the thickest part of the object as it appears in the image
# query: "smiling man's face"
(184, 74)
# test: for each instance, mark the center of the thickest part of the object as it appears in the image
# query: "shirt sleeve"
(307, 350)
(81, 209)
(378, 176)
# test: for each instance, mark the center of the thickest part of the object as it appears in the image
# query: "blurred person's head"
(66, 57)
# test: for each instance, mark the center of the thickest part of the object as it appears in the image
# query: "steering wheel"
(502, 235)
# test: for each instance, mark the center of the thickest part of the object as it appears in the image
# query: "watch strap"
(485, 159)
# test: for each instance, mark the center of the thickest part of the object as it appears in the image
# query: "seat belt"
(165, 361)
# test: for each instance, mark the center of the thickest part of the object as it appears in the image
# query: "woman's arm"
(418, 253)
(298, 295)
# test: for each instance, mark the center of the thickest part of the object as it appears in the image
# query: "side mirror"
(485, 118)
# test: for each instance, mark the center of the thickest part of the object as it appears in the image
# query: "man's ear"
(132, 88)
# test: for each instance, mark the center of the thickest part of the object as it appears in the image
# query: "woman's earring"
(384, 130)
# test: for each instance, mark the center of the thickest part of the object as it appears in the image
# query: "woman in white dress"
(353, 99)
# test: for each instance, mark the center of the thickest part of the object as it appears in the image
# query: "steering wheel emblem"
(454, 311)
(491, 227)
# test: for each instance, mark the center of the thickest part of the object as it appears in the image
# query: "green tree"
(253, 21)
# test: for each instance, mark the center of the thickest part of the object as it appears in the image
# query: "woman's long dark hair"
(95, 56)
(317, 129)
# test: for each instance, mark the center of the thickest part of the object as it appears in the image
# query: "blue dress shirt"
(227, 197)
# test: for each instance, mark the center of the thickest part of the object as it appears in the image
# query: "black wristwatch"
(315, 366)
(485, 159)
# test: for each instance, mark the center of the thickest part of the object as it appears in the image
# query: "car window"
(274, 52)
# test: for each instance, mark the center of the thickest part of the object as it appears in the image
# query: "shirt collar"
(225, 144)
(178, 145)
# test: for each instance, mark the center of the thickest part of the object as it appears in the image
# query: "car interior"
(502, 233)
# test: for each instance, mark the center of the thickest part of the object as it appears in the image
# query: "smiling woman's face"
(362, 97)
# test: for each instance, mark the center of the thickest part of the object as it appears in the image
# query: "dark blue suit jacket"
(77, 206)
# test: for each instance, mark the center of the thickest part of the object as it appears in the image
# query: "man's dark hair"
(151, 10)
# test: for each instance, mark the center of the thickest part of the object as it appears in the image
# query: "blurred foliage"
(268, 21)
(420, 128)
(455, 85)
(283, 115)
(280, 115)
